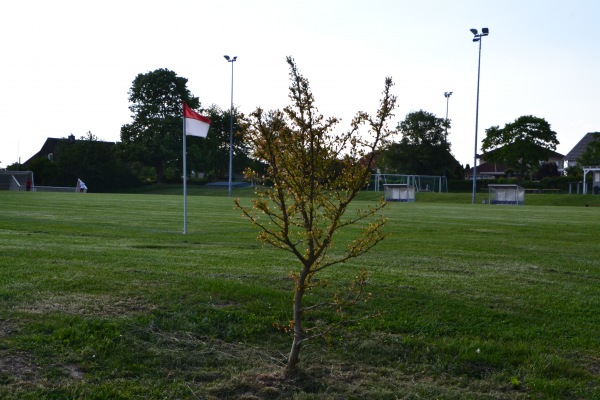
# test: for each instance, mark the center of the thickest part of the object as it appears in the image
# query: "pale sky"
(67, 65)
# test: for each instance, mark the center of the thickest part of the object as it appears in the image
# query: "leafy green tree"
(211, 155)
(546, 170)
(154, 138)
(591, 155)
(423, 149)
(574, 171)
(423, 128)
(87, 158)
(520, 145)
(312, 176)
(16, 167)
(45, 171)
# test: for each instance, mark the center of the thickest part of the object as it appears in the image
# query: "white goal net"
(420, 183)
(16, 180)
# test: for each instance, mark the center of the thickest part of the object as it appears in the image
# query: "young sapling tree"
(303, 198)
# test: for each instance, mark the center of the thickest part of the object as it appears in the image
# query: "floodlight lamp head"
(474, 31)
(476, 39)
(485, 31)
(226, 57)
(234, 58)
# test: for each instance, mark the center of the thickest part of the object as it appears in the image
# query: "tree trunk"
(160, 172)
(294, 356)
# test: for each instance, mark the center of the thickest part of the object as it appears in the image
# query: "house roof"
(555, 155)
(49, 147)
(580, 147)
(552, 155)
(488, 169)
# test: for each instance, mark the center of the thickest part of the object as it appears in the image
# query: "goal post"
(24, 181)
(420, 183)
(17, 180)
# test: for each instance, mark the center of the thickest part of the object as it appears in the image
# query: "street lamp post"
(447, 96)
(477, 37)
(231, 60)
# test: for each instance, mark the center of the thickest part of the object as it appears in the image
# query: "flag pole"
(184, 178)
(199, 126)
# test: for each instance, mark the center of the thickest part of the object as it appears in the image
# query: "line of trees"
(150, 146)
(523, 146)
(422, 150)
(153, 140)
(87, 158)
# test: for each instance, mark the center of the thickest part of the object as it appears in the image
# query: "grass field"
(102, 297)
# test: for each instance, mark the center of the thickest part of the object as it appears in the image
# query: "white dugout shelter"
(399, 192)
(506, 194)
(595, 180)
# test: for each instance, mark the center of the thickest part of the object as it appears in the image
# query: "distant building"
(49, 147)
(487, 170)
(493, 170)
(570, 160)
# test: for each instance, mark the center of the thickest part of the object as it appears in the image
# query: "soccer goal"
(16, 180)
(64, 189)
(420, 183)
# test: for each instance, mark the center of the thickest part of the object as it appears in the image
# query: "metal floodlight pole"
(477, 37)
(447, 96)
(231, 60)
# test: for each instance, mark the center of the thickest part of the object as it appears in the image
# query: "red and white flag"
(195, 124)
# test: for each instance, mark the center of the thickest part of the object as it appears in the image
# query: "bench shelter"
(506, 194)
(399, 192)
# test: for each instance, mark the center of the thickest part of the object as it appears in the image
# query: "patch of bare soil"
(7, 328)
(86, 304)
(18, 367)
